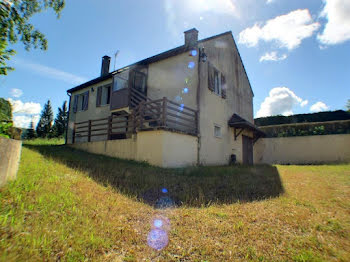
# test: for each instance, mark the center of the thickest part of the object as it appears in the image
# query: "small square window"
(217, 131)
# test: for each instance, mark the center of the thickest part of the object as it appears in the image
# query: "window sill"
(216, 94)
(102, 105)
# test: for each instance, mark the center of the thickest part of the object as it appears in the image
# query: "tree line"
(304, 118)
(48, 127)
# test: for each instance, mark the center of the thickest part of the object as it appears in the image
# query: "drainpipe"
(70, 98)
(198, 107)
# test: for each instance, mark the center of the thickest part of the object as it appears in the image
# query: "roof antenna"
(115, 58)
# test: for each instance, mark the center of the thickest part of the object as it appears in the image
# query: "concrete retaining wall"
(125, 148)
(158, 147)
(303, 149)
(10, 153)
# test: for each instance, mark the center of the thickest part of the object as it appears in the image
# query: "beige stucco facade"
(159, 148)
(168, 78)
(214, 110)
(303, 150)
(92, 113)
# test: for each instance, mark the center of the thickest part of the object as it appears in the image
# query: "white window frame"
(217, 83)
(220, 131)
(110, 90)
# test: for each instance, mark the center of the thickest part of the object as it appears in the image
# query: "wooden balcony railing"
(147, 115)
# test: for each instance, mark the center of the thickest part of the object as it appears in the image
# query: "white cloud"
(287, 30)
(190, 11)
(304, 103)
(50, 72)
(16, 92)
(272, 56)
(318, 107)
(337, 30)
(24, 121)
(29, 108)
(280, 101)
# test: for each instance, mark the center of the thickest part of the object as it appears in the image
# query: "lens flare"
(164, 190)
(178, 98)
(164, 202)
(157, 239)
(158, 223)
(185, 90)
(194, 52)
(191, 65)
(181, 108)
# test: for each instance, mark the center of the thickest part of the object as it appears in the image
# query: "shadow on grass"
(160, 187)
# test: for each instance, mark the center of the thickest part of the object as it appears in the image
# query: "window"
(103, 95)
(217, 83)
(119, 83)
(81, 102)
(140, 81)
(217, 131)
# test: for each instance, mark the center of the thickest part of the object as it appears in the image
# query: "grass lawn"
(69, 205)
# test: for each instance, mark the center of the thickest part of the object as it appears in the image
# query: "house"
(191, 105)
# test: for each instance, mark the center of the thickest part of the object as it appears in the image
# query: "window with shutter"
(211, 77)
(75, 104)
(85, 104)
(223, 86)
(217, 83)
(103, 95)
(98, 96)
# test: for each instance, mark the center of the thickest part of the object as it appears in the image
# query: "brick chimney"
(106, 60)
(191, 37)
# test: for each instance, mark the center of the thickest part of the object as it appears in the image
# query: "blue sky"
(296, 53)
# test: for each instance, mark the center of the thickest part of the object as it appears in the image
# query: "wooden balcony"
(146, 115)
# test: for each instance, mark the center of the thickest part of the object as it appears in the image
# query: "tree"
(5, 118)
(5, 110)
(31, 132)
(14, 26)
(44, 127)
(60, 124)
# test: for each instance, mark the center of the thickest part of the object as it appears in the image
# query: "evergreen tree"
(44, 127)
(61, 121)
(348, 105)
(31, 132)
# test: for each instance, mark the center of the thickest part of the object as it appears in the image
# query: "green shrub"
(5, 129)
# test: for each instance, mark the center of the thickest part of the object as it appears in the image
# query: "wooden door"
(247, 150)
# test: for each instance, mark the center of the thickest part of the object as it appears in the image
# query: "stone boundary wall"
(303, 150)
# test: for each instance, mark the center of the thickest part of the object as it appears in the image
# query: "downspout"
(198, 108)
(70, 98)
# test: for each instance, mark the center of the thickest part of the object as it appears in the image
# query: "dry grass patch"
(57, 211)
